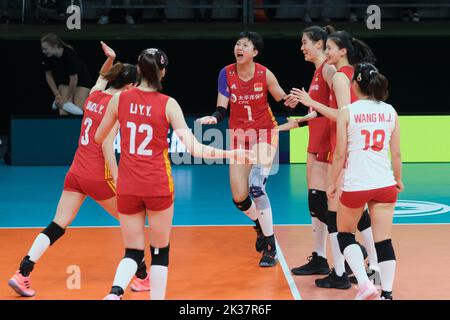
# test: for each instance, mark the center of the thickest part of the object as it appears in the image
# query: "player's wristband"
(302, 124)
(220, 113)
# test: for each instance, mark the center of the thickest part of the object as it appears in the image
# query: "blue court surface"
(29, 196)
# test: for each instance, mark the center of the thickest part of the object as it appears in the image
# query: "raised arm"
(101, 82)
(109, 120)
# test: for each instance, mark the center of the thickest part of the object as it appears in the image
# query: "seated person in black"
(66, 75)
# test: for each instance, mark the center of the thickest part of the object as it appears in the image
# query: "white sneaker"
(103, 20)
(415, 17)
(129, 19)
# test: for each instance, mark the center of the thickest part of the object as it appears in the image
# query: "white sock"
(338, 258)
(387, 274)
(265, 221)
(251, 212)
(72, 108)
(40, 245)
(125, 272)
(158, 282)
(367, 237)
(320, 232)
(355, 260)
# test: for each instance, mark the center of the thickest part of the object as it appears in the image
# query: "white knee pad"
(257, 182)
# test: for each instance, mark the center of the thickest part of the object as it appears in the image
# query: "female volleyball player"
(145, 185)
(366, 131)
(342, 51)
(313, 48)
(245, 86)
(66, 75)
(93, 173)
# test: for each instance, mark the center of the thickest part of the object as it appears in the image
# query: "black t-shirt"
(67, 65)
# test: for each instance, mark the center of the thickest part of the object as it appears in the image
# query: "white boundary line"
(287, 273)
(227, 225)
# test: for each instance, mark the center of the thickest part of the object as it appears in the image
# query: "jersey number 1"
(249, 111)
(149, 136)
(377, 140)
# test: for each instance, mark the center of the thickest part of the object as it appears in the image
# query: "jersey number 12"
(142, 147)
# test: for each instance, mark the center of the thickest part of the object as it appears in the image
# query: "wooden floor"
(219, 263)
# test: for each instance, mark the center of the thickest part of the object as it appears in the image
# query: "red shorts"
(240, 139)
(96, 189)
(319, 136)
(129, 204)
(357, 199)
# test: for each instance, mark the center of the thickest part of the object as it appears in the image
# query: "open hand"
(108, 51)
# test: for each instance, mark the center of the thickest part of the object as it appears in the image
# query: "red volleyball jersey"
(144, 167)
(319, 128)
(348, 71)
(249, 108)
(89, 161)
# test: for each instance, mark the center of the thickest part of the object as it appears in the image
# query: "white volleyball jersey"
(369, 132)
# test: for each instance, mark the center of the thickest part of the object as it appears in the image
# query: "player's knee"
(134, 254)
(317, 202)
(331, 222)
(364, 222)
(53, 232)
(160, 256)
(345, 239)
(385, 250)
(243, 205)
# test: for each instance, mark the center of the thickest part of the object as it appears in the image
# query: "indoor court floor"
(212, 244)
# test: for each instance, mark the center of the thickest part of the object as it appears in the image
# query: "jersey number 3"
(142, 147)
(378, 137)
(85, 137)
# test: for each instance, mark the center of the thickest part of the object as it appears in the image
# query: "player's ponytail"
(120, 75)
(361, 53)
(151, 62)
(371, 82)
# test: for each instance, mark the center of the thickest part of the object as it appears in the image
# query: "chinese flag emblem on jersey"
(258, 87)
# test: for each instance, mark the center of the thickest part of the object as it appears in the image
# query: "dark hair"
(121, 74)
(151, 62)
(316, 33)
(357, 51)
(255, 38)
(55, 41)
(371, 82)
